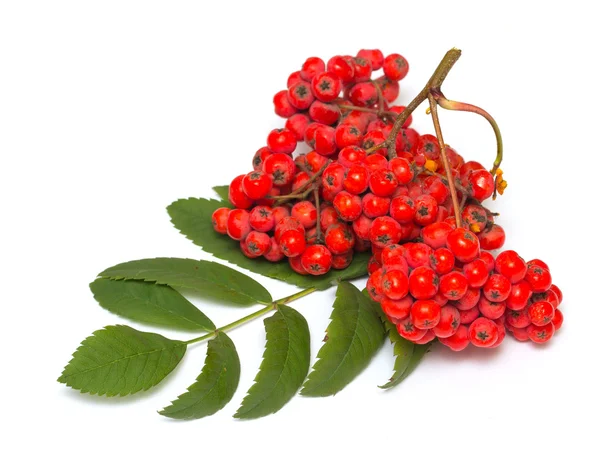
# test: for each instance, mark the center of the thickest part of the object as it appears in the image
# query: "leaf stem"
(451, 185)
(271, 306)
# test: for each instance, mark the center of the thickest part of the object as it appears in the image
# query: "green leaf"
(284, 366)
(223, 193)
(150, 303)
(215, 385)
(416, 358)
(119, 360)
(403, 351)
(354, 335)
(206, 278)
(193, 218)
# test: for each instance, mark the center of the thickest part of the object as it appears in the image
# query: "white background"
(111, 110)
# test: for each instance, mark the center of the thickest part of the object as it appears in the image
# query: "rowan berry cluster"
(369, 183)
(447, 287)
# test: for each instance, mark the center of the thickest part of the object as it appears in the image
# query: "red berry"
(435, 235)
(397, 310)
(395, 67)
(538, 262)
(300, 180)
(511, 265)
(375, 57)
(540, 313)
(324, 113)
(261, 155)
(383, 182)
(395, 284)
(400, 110)
(311, 67)
(357, 180)
(363, 94)
(425, 314)
(351, 155)
(292, 242)
(219, 220)
(548, 296)
(274, 254)
(449, 322)
(558, 293)
(333, 177)
(423, 283)
(497, 288)
(257, 184)
(539, 278)
(283, 107)
(279, 213)
(246, 251)
(483, 333)
(339, 238)
(281, 168)
(342, 260)
(476, 272)
(238, 224)
(402, 209)
(324, 143)
(501, 333)
(402, 169)
(428, 337)
(376, 162)
(442, 261)
(520, 293)
(540, 334)
(384, 231)
(392, 257)
(491, 310)
(258, 243)
(297, 124)
(362, 69)
(519, 333)
(326, 86)
(389, 88)
(480, 184)
(373, 265)
(262, 219)
(362, 226)
(492, 238)
(470, 315)
(463, 244)
(306, 213)
(469, 300)
(281, 140)
(296, 264)
(519, 319)
(375, 206)
(407, 329)
(237, 196)
(453, 285)
(316, 259)
(342, 67)
(347, 135)
(459, 341)
(557, 320)
(489, 260)
(300, 95)
(374, 285)
(293, 78)
(348, 206)
(426, 210)
(417, 254)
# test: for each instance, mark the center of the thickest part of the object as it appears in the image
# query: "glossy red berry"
(348, 206)
(407, 329)
(469, 300)
(311, 67)
(306, 213)
(538, 262)
(351, 155)
(519, 319)
(397, 310)
(417, 254)
(316, 259)
(425, 314)
(258, 243)
(480, 184)
(497, 288)
(483, 332)
(347, 135)
(540, 313)
(426, 209)
(383, 182)
(470, 315)
(300, 96)
(539, 278)
(449, 322)
(357, 179)
(493, 238)
(476, 272)
(324, 142)
(491, 310)
(459, 341)
(402, 209)
(292, 242)
(324, 113)
(395, 284)
(257, 184)
(463, 244)
(238, 224)
(511, 265)
(423, 283)
(219, 220)
(375, 206)
(326, 86)
(375, 57)
(362, 69)
(557, 320)
(281, 168)
(435, 235)
(274, 254)
(558, 293)
(283, 107)
(374, 285)
(342, 260)
(342, 67)
(395, 67)
(339, 238)
(540, 334)
(520, 293)
(296, 264)
(237, 196)
(453, 285)
(442, 261)
(262, 219)
(281, 140)
(384, 231)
